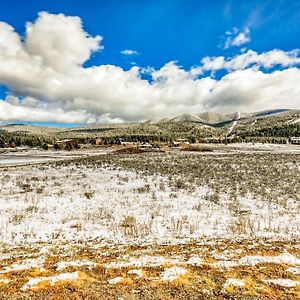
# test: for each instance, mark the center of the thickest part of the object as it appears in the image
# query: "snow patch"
(136, 272)
(173, 273)
(233, 282)
(231, 127)
(149, 261)
(115, 280)
(51, 279)
(74, 263)
(4, 281)
(24, 265)
(293, 121)
(295, 271)
(285, 258)
(283, 282)
(195, 261)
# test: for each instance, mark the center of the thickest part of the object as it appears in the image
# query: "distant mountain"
(271, 112)
(267, 126)
(239, 115)
(209, 118)
(34, 129)
(217, 119)
(230, 123)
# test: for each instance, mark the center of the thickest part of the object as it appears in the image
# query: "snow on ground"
(116, 280)
(231, 127)
(37, 156)
(27, 264)
(74, 263)
(32, 283)
(153, 261)
(293, 270)
(238, 116)
(4, 281)
(188, 266)
(293, 121)
(195, 261)
(78, 203)
(173, 273)
(283, 282)
(143, 261)
(254, 122)
(262, 147)
(136, 272)
(285, 258)
(233, 282)
(296, 121)
(107, 210)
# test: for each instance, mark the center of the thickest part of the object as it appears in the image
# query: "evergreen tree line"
(275, 134)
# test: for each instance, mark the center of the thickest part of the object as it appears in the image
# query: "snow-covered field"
(58, 210)
(67, 203)
(28, 156)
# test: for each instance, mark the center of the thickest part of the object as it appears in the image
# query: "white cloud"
(129, 52)
(252, 59)
(44, 72)
(253, 90)
(60, 41)
(12, 110)
(236, 38)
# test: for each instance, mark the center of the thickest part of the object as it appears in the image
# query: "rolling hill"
(270, 126)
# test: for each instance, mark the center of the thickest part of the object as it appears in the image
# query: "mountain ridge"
(210, 119)
(214, 118)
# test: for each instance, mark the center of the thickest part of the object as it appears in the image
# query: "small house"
(46, 146)
(127, 143)
(295, 140)
(180, 143)
(67, 144)
(175, 144)
(145, 146)
(98, 141)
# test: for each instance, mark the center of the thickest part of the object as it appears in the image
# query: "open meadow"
(221, 224)
(150, 150)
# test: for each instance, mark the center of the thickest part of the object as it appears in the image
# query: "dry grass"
(200, 282)
(228, 177)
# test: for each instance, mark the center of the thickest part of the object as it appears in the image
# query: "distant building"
(183, 141)
(145, 146)
(98, 141)
(180, 143)
(295, 140)
(66, 144)
(46, 146)
(175, 144)
(9, 145)
(127, 143)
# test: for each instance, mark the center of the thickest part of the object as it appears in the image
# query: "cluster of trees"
(164, 132)
(276, 131)
(8, 139)
(149, 133)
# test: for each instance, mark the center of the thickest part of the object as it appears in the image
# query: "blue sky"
(168, 30)
(164, 30)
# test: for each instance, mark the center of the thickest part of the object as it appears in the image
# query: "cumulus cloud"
(13, 110)
(53, 38)
(237, 38)
(129, 52)
(44, 73)
(254, 90)
(252, 59)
